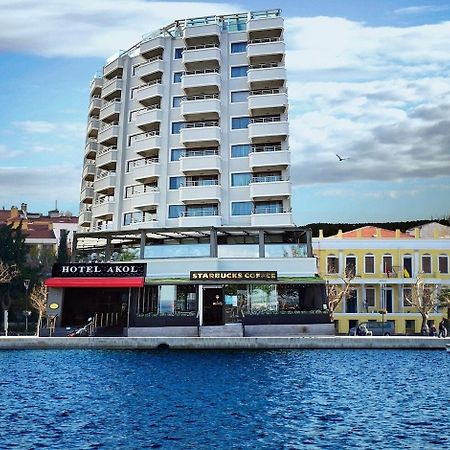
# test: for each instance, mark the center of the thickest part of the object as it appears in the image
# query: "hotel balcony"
(201, 30)
(269, 76)
(200, 134)
(148, 92)
(266, 156)
(200, 107)
(200, 161)
(146, 143)
(201, 81)
(200, 191)
(103, 207)
(148, 118)
(200, 57)
(96, 86)
(113, 68)
(280, 218)
(269, 187)
(149, 221)
(150, 69)
(148, 48)
(110, 110)
(108, 134)
(149, 198)
(200, 221)
(87, 192)
(265, 25)
(112, 88)
(267, 130)
(146, 169)
(267, 101)
(89, 172)
(92, 127)
(266, 50)
(105, 181)
(85, 217)
(94, 106)
(107, 158)
(90, 150)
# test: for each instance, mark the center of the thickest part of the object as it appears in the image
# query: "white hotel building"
(186, 166)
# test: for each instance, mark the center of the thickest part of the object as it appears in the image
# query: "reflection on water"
(224, 400)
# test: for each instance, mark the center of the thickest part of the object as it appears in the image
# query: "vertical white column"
(200, 304)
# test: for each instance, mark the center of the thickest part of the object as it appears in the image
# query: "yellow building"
(386, 264)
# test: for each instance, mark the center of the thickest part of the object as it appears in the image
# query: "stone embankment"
(224, 343)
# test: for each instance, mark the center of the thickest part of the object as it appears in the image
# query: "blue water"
(224, 400)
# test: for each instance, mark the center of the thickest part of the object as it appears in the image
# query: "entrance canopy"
(90, 282)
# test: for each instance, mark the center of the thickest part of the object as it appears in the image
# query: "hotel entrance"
(213, 306)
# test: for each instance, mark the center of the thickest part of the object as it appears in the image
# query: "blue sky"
(368, 80)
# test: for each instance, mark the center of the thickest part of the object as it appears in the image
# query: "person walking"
(442, 329)
(433, 330)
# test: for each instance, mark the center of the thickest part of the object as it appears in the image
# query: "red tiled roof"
(371, 232)
(40, 233)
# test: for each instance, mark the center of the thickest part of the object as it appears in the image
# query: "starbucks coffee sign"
(234, 276)
(103, 270)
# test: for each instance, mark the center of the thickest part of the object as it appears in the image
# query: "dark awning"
(92, 282)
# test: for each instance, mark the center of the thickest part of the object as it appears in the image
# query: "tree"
(425, 298)
(63, 254)
(7, 273)
(38, 301)
(337, 292)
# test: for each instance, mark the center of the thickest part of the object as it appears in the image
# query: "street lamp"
(26, 313)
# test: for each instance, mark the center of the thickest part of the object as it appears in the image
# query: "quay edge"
(224, 343)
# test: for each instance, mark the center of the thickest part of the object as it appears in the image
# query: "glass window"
(175, 182)
(407, 296)
(176, 101)
(332, 264)
(175, 154)
(186, 300)
(369, 264)
(370, 296)
(426, 264)
(387, 264)
(177, 77)
(178, 53)
(239, 96)
(239, 123)
(239, 71)
(167, 297)
(263, 298)
(240, 150)
(239, 47)
(443, 264)
(350, 264)
(176, 127)
(273, 207)
(175, 211)
(241, 179)
(241, 208)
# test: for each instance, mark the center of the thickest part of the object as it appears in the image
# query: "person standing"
(442, 329)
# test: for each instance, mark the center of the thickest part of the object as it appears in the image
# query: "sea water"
(296, 399)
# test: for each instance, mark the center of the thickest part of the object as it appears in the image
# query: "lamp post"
(26, 313)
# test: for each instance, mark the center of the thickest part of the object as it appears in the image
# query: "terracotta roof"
(371, 232)
(5, 214)
(40, 233)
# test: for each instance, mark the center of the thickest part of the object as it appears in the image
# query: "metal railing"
(103, 200)
(105, 150)
(110, 102)
(265, 65)
(201, 183)
(200, 47)
(111, 81)
(267, 119)
(267, 91)
(150, 83)
(143, 162)
(204, 212)
(142, 136)
(265, 148)
(104, 126)
(201, 72)
(200, 97)
(104, 173)
(151, 60)
(199, 153)
(265, 40)
(208, 123)
(271, 210)
(267, 179)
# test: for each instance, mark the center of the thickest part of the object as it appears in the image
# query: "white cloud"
(35, 126)
(421, 9)
(99, 28)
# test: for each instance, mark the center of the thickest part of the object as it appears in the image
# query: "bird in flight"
(340, 158)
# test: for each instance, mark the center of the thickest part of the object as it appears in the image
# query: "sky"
(367, 80)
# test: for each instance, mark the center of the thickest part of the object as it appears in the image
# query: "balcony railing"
(143, 162)
(141, 189)
(105, 150)
(106, 104)
(209, 123)
(138, 112)
(199, 47)
(201, 72)
(102, 200)
(265, 148)
(265, 65)
(197, 183)
(271, 210)
(200, 97)
(104, 173)
(153, 59)
(264, 40)
(198, 153)
(267, 91)
(268, 179)
(203, 212)
(105, 126)
(142, 136)
(111, 81)
(144, 85)
(268, 119)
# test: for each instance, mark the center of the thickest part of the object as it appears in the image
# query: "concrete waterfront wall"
(212, 343)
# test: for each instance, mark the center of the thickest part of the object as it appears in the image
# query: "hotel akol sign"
(102, 270)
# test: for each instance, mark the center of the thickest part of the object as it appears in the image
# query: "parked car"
(377, 328)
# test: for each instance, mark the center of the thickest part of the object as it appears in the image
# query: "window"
(332, 264)
(350, 264)
(426, 263)
(273, 207)
(370, 297)
(235, 23)
(175, 182)
(178, 53)
(176, 127)
(240, 150)
(177, 77)
(241, 208)
(175, 211)
(239, 123)
(239, 47)
(387, 264)
(443, 264)
(241, 179)
(369, 264)
(239, 96)
(176, 101)
(176, 153)
(407, 296)
(129, 218)
(239, 71)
